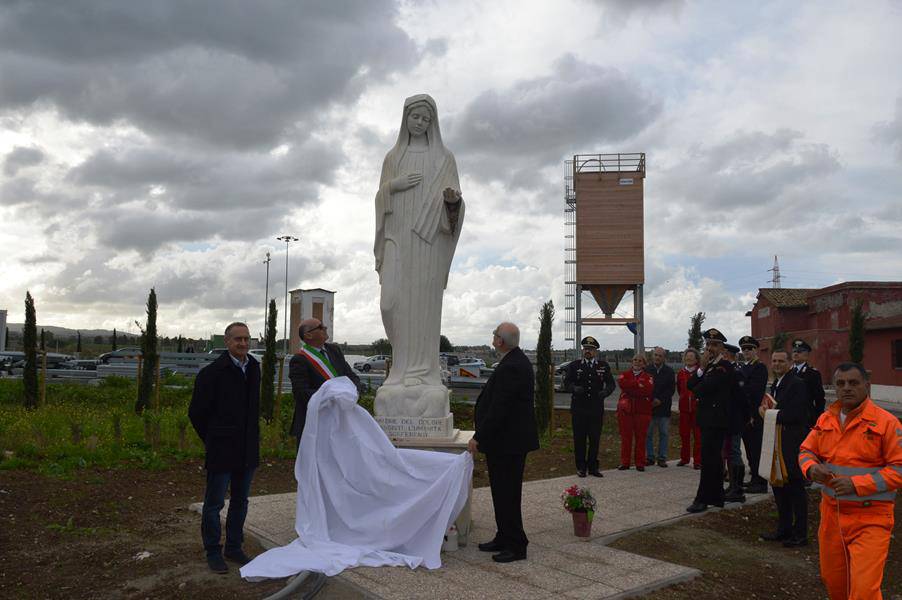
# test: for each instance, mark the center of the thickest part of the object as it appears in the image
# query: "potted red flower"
(580, 503)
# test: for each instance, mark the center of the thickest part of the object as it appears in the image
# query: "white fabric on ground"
(361, 501)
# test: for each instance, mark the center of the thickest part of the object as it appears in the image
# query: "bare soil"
(80, 537)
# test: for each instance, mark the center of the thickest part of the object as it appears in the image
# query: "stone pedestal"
(456, 444)
(418, 428)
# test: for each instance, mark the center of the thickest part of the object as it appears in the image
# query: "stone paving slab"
(559, 565)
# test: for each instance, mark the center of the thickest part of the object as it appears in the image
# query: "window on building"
(317, 310)
(897, 354)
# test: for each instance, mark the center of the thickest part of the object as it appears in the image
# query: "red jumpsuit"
(634, 414)
(688, 405)
(855, 530)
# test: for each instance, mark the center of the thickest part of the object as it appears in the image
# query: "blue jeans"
(734, 456)
(214, 500)
(662, 425)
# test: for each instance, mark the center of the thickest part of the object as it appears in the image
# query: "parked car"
(218, 350)
(257, 353)
(471, 361)
(128, 352)
(80, 364)
(559, 372)
(449, 359)
(372, 363)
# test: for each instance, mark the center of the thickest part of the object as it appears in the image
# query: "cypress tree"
(268, 368)
(29, 337)
(856, 334)
(695, 331)
(179, 347)
(114, 340)
(43, 340)
(544, 378)
(149, 354)
(78, 341)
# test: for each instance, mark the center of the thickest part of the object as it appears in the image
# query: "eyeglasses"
(747, 348)
(320, 326)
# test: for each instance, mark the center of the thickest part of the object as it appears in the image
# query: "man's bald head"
(313, 332)
(506, 337)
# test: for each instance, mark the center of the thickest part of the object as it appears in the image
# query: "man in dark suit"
(314, 363)
(506, 431)
(755, 385)
(713, 384)
(792, 402)
(591, 381)
(817, 399)
(225, 413)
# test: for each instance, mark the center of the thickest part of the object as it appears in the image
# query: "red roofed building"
(821, 317)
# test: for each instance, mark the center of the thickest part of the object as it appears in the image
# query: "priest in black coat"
(505, 432)
(315, 362)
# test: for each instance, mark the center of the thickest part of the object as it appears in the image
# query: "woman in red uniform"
(688, 404)
(634, 412)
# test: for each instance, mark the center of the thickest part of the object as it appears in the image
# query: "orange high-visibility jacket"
(868, 449)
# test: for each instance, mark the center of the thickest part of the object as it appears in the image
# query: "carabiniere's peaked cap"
(800, 346)
(731, 348)
(748, 340)
(714, 335)
(590, 342)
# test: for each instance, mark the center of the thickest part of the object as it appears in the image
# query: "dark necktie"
(773, 389)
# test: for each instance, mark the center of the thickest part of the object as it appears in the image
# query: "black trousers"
(710, 482)
(751, 439)
(792, 508)
(506, 482)
(586, 427)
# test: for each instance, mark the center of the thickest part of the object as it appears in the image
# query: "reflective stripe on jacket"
(868, 449)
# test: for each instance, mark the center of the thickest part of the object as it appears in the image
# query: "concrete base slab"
(559, 565)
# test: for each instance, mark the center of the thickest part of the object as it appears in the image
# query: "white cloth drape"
(360, 500)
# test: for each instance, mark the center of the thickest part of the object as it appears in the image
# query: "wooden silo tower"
(605, 242)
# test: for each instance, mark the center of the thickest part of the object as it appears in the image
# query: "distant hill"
(65, 333)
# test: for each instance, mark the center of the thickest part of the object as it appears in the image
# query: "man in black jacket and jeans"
(505, 431)
(661, 406)
(225, 412)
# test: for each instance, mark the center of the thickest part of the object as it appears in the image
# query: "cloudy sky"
(168, 143)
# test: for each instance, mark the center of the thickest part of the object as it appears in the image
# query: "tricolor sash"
(319, 361)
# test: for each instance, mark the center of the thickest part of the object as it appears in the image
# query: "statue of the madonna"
(419, 214)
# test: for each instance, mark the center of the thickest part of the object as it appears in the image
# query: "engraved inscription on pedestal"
(418, 427)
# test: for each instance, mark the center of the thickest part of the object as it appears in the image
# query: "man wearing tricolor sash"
(315, 362)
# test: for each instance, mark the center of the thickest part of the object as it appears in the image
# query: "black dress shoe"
(775, 536)
(237, 556)
(492, 546)
(697, 507)
(581, 473)
(640, 468)
(596, 473)
(508, 556)
(649, 462)
(756, 488)
(217, 565)
(662, 463)
(682, 463)
(623, 468)
(794, 542)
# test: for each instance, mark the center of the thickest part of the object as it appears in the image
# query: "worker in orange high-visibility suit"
(855, 451)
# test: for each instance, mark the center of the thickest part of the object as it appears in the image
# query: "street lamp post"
(287, 239)
(266, 303)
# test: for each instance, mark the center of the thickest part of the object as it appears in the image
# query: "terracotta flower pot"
(582, 527)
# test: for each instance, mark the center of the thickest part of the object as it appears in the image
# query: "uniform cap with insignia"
(748, 340)
(800, 346)
(590, 342)
(731, 348)
(714, 335)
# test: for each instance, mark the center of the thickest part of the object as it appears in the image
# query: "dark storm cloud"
(535, 123)
(229, 73)
(890, 132)
(19, 157)
(748, 170)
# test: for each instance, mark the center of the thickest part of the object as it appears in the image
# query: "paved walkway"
(559, 564)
